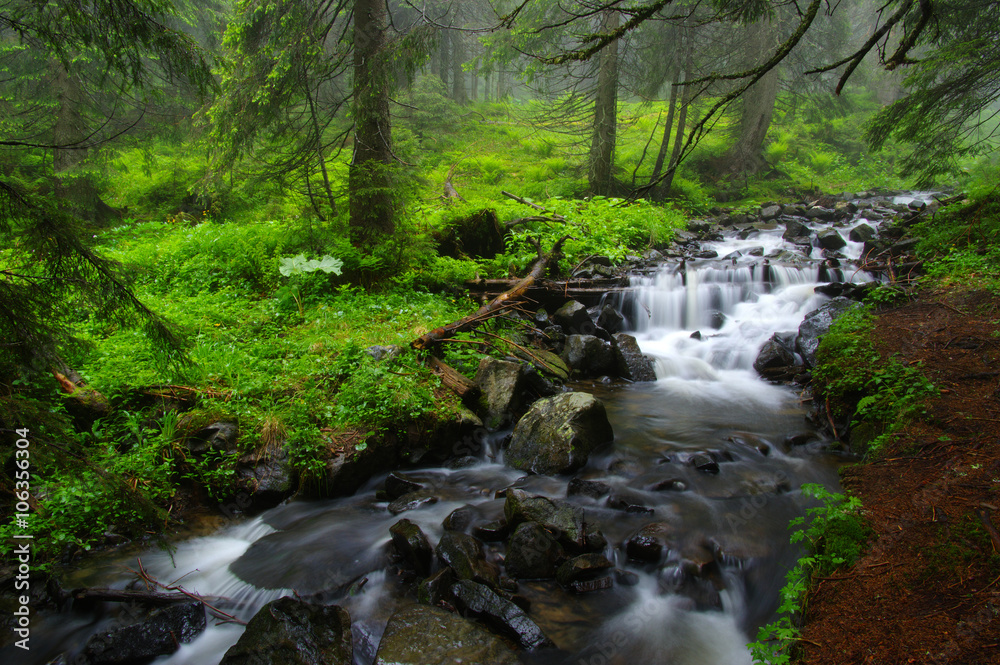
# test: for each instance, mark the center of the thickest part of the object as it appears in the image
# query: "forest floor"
(928, 589)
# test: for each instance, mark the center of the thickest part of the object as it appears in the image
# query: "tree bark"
(370, 182)
(602, 147)
(661, 156)
(757, 107)
(69, 125)
(686, 98)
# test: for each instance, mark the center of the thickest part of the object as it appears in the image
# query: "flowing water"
(704, 322)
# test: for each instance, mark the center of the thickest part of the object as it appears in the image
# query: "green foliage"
(961, 244)
(835, 536)
(881, 394)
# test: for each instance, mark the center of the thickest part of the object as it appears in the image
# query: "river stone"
(412, 543)
(774, 354)
(795, 229)
(770, 212)
(465, 555)
(532, 553)
(501, 383)
(630, 361)
(610, 319)
(816, 324)
(560, 517)
(460, 519)
(160, 634)
(412, 501)
(288, 631)
(581, 568)
(558, 434)
(427, 635)
(500, 613)
(593, 489)
(862, 233)
(397, 484)
(589, 355)
(830, 239)
(574, 319)
(272, 477)
(652, 542)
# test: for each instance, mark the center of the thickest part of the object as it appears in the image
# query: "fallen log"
(498, 305)
(454, 380)
(156, 598)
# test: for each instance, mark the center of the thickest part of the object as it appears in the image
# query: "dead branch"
(498, 305)
(449, 189)
(454, 380)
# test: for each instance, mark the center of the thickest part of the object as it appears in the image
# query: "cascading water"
(706, 451)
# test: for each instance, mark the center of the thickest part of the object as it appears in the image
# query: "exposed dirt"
(928, 590)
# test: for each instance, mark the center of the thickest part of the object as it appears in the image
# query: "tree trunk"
(602, 147)
(757, 106)
(320, 157)
(686, 98)
(458, 92)
(444, 57)
(370, 182)
(69, 125)
(661, 156)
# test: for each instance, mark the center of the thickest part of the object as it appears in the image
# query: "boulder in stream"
(465, 555)
(427, 635)
(411, 542)
(589, 355)
(630, 361)
(289, 631)
(532, 553)
(558, 434)
(160, 634)
(499, 613)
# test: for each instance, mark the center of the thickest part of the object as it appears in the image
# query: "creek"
(709, 448)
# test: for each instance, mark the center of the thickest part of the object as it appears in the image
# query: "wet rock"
(652, 542)
(862, 233)
(776, 353)
(704, 463)
(904, 247)
(397, 484)
(411, 501)
(502, 385)
(610, 319)
(541, 317)
(558, 434)
(160, 634)
(705, 254)
(563, 519)
(816, 324)
(574, 319)
(427, 635)
(629, 503)
(830, 239)
(492, 531)
(465, 556)
(581, 568)
(630, 362)
(272, 479)
(770, 212)
(819, 212)
(288, 631)
(589, 355)
(795, 229)
(411, 542)
(752, 442)
(499, 613)
(589, 488)
(435, 588)
(532, 553)
(460, 519)
(668, 485)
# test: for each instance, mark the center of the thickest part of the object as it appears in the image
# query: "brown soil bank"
(928, 590)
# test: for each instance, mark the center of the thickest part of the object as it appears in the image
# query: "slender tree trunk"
(686, 98)
(319, 149)
(757, 107)
(458, 92)
(602, 147)
(661, 156)
(474, 93)
(370, 182)
(444, 57)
